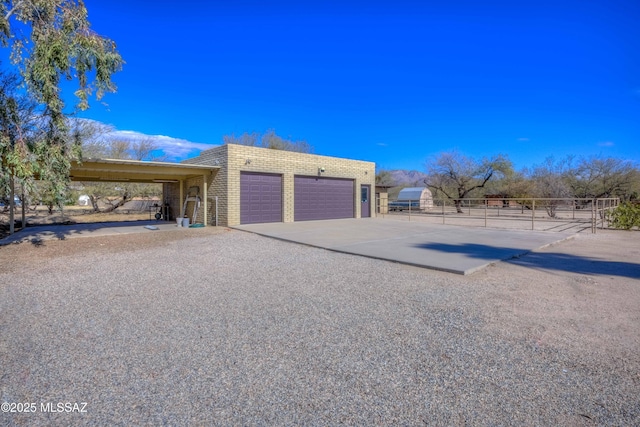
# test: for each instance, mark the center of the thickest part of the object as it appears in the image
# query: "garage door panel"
(323, 198)
(260, 198)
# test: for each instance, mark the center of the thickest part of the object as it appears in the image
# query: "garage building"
(258, 185)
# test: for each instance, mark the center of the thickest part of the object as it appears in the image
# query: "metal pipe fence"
(559, 214)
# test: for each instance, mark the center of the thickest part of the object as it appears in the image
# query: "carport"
(115, 170)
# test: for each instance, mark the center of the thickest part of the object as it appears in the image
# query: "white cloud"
(606, 144)
(523, 139)
(173, 148)
(382, 144)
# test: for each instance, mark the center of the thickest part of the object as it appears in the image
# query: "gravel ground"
(229, 328)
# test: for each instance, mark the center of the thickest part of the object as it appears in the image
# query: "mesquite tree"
(457, 176)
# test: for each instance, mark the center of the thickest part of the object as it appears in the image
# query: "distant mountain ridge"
(408, 177)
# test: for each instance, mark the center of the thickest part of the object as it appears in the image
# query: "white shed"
(84, 200)
(419, 197)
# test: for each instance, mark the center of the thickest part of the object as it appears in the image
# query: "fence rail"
(559, 214)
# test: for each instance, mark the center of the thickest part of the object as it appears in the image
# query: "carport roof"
(135, 171)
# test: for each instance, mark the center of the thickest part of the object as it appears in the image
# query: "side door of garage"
(323, 198)
(260, 197)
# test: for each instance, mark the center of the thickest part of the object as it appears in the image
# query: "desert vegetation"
(454, 177)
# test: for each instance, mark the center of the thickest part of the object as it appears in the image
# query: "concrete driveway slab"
(460, 250)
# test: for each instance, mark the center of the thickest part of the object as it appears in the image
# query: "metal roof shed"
(421, 194)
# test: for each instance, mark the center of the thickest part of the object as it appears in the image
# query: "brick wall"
(234, 159)
(217, 186)
(171, 193)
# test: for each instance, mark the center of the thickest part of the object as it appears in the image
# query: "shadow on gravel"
(577, 264)
(545, 260)
(36, 235)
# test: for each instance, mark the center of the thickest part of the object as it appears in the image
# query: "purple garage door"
(260, 198)
(322, 198)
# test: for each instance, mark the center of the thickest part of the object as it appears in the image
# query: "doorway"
(365, 204)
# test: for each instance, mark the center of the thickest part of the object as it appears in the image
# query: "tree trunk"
(12, 205)
(94, 203)
(458, 204)
(113, 206)
(24, 207)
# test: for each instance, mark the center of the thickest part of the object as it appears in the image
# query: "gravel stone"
(224, 327)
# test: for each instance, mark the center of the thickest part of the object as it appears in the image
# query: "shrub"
(626, 216)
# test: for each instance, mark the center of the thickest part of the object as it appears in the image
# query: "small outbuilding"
(417, 197)
(499, 201)
(382, 198)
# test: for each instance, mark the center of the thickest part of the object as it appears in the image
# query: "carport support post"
(204, 199)
(444, 202)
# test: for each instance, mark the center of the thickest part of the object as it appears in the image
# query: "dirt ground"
(582, 293)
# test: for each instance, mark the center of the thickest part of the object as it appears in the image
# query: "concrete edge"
(573, 236)
(446, 270)
(520, 255)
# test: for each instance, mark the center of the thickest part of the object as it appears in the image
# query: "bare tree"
(515, 184)
(91, 136)
(143, 149)
(597, 176)
(384, 177)
(269, 140)
(249, 139)
(549, 179)
(111, 195)
(119, 149)
(96, 143)
(457, 176)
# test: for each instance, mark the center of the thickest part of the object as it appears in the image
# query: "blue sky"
(391, 82)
